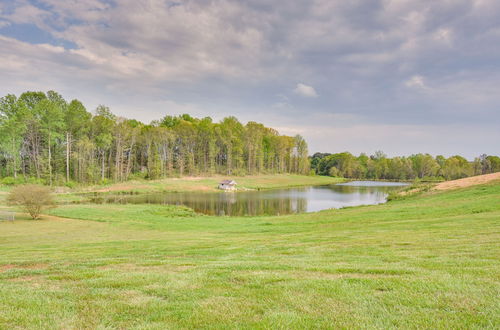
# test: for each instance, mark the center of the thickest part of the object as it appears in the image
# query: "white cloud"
(305, 90)
(416, 81)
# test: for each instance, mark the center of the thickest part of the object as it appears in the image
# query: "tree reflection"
(252, 203)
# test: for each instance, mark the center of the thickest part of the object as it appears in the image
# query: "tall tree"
(51, 126)
(12, 129)
(77, 123)
(102, 128)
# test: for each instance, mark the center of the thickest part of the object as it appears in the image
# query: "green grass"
(209, 184)
(427, 261)
(186, 184)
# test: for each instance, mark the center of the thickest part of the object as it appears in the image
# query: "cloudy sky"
(402, 76)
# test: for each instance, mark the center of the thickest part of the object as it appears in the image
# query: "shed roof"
(228, 182)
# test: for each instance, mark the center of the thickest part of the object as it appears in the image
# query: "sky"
(401, 76)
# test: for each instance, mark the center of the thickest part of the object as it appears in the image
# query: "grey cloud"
(386, 62)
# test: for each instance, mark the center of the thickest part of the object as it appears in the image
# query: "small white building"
(227, 185)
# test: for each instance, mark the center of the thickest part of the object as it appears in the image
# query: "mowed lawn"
(431, 261)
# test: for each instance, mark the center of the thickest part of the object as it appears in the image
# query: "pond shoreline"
(209, 184)
(278, 201)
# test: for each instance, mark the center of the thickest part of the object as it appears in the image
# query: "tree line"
(45, 138)
(419, 166)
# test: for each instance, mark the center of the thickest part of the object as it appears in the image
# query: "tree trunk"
(67, 155)
(229, 162)
(102, 165)
(14, 158)
(50, 164)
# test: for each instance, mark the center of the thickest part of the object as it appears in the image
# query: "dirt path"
(466, 182)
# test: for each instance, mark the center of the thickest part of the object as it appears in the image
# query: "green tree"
(457, 167)
(102, 128)
(51, 126)
(424, 165)
(494, 164)
(77, 123)
(12, 129)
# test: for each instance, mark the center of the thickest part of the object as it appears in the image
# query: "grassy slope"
(198, 184)
(209, 184)
(428, 261)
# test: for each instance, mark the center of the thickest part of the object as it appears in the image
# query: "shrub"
(36, 181)
(70, 184)
(32, 198)
(9, 181)
(104, 182)
(137, 176)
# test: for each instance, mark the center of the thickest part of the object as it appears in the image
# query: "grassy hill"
(428, 261)
(210, 183)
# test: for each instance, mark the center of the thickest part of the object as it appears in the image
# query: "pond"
(266, 202)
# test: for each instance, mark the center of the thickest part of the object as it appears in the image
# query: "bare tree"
(32, 198)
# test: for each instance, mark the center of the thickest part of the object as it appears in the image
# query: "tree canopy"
(419, 166)
(45, 137)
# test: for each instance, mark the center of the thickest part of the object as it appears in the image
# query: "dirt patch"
(467, 182)
(35, 266)
(23, 279)
(36, 282)
(4, 268)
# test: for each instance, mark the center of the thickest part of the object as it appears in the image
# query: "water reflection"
(267, 202)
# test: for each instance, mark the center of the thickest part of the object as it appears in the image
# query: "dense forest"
(419, 166)
(47, 139)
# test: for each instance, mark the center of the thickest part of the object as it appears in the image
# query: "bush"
(70, 184)
(32, 198)
(35, 181)
(9, 181)
(104, 182)
(137, 176)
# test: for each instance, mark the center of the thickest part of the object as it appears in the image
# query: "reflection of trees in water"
(218, 204)
(364, 189)
(251, 204)
(272, 202)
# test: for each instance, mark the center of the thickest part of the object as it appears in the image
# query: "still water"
(267, 202)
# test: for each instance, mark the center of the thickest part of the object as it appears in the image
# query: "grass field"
(428, 261)
(186, 184)
(209, 184)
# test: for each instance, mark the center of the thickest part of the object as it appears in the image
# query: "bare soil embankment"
(467, 182)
